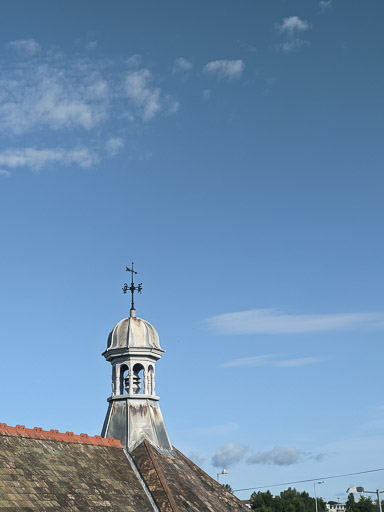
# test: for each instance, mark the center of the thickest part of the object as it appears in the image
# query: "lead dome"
(133, 332)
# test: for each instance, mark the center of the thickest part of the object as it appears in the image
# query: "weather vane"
(132, 288)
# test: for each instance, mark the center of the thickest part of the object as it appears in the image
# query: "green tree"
(228, 487)
(350, 505)
(365, 504)
(262, 501)
(289, 500)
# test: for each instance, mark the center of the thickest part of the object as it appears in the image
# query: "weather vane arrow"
(132, 288)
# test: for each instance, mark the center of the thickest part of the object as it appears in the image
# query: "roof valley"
(169, 504)
(141, 480)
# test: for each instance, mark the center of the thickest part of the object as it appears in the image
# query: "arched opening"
(123, 379)
(138, 379)
(151, 380)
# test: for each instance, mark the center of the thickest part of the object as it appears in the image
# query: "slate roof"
(46, 471)
(178, 485)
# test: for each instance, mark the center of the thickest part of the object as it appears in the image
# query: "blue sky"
(233, 150)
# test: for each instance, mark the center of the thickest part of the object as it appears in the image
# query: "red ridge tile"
(55, 435)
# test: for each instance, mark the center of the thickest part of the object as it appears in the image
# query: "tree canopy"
(363, 504)
(289, 500)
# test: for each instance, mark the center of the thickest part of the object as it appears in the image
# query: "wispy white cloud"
(38, 158)
(298, 361)
(134, 61)
(147, 98)
(82, 97)
(26, 47)
(56, 93)
(91, 45)
(229, 455)
(293, 24)
(325, 5)
(274, 360)
(181, 65)
(283, 456)
(293, 45)
(49, 96)
(274, 321)
(5, 173)
(114, 145)
(225, 69)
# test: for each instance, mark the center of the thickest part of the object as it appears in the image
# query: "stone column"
(146, 381)
(153, 382)
(114, 381)
(130, 380)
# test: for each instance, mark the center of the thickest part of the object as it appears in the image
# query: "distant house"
(336, 507)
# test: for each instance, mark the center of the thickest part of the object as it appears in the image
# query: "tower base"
(133, 419)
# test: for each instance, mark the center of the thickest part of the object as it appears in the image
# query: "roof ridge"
(55, 435)
(161, 476)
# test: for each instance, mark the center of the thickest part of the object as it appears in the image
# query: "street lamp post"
(359, 490)
(314, 491)
(223, 472)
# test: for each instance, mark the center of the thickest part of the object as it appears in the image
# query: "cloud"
(290, 26)
(38, 96)
(80, 98)
(26, 47)
(57, 93)
(279, 456)
(5, 173)
(274, 321)
(91, 45)
(39, 158)
(325, 5)
(134, 61)
(273, 360)
(293, 24)
(293, 45)
(298, 361)
(148, 99)
(225, 69)
(228, 455)
(114, 146)
(283, 456)
(181, 65)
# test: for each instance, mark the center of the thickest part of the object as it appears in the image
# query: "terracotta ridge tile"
(55, 435)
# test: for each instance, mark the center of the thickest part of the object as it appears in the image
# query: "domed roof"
(133, 332)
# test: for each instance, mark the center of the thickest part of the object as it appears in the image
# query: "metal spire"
(132, 288)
